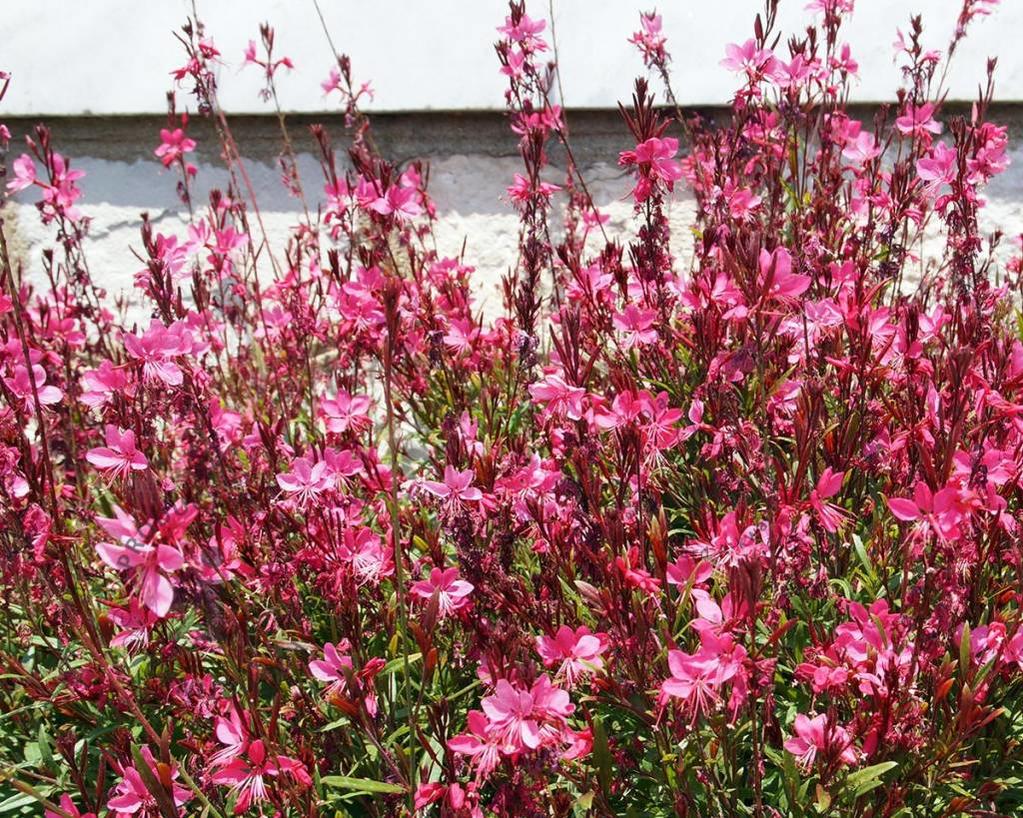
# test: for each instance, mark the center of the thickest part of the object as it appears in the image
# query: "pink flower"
(637, 326)
(336, 668)
(650, 41)
(156, 349)
(68, 806)
(526, 31)
(269, 65)
(365, 551)
(120, 456)
(174, 144)
(24, 173)
(694, 679)
(522, 190)
(685, 572)
(344, 412)
(479, 743)
(817, 735)
(514, 63)
(461, 335)
(342, 465)
(660, 430)
(135, 621)
(741, 201)
(306, 480)
(777, 278)
(938, 168)
(939, 510)
(844, 61)
(831, 516)
(152, 564)
(457, 486)
(452, 593)
(794, 74)
(403, 202)
(747, 57)
(101, 384)
(428, 793)
(333, 81)
(21, 384)
(918, 120)
(233, 734)
(559, 396)
(971, 9)
(59, 194)
(576, 653)
(1013, 651)
(525, 719)
(132, 796)
(830, 6)
(247, 774)
(990, 158)
(654, 160)
(862, 148)
(635, 574)
(332, 666)
(699, 678)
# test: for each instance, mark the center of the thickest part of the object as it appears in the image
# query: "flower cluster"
(735, 535)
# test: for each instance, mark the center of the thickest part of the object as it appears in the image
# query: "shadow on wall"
(112, 149)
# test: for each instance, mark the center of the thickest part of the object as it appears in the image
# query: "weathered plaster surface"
(471, 163)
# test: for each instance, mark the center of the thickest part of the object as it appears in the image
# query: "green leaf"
(343, 782)
(335, 724)
(397, 664)
(862, 781)
(581, 806)
(16, 802)
(45, 753)
(864, 558)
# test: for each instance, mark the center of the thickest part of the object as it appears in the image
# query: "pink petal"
(465, 744)
(169, 558)
(322, 671)
(530, 732)
(288, 482)
(104, 458)
(436, 489)
(904, 508)
(157, 593)
(128, 802)
(119, 557)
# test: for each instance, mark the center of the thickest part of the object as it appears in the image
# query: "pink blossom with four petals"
(452, 593)
(120, 457)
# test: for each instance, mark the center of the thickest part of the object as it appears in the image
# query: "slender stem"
(399, 559)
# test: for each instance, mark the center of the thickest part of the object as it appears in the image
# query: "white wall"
(114, 56)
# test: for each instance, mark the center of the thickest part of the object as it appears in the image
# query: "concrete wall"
(472, 160)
